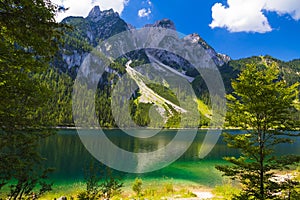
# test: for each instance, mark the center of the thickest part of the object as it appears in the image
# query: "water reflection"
(67, 154)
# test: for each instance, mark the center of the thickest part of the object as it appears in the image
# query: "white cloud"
(240, 15)
(291, 7)
(144, 12)
(117, 5)
(82, 7)
(248, 16)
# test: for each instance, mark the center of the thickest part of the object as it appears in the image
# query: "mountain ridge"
(100, 25)
(86, 33)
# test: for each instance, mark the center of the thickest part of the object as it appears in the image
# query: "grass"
(153, 191)
(162, 191)
(225, 191)
(157, 189)
(70, 191)
(204, 109)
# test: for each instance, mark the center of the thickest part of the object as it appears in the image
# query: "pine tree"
(29, 39)
(261, 104)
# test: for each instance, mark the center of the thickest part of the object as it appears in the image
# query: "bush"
(100, 184)
(168, 188)
(137, 186)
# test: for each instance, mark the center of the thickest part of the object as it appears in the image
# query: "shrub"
(137, 186)
(100, 184)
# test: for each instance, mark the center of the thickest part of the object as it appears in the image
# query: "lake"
(66, 153)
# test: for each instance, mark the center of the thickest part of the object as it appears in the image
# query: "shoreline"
(115, 128)
(201, 192)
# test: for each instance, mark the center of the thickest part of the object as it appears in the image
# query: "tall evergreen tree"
(29, 38)
(261, 104)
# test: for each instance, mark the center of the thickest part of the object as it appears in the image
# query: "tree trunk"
(261, 163)
(261, 180)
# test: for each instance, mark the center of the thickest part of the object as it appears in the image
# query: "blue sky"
(238, 28)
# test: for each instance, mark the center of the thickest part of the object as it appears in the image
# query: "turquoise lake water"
(66, 153)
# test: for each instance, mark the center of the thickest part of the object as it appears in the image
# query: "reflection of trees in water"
(68, 155)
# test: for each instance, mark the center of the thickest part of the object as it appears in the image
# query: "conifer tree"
(29, 39)
(262, 104)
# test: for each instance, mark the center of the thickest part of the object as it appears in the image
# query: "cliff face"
(86, 33)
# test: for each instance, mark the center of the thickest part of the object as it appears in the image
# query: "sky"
(238, 28)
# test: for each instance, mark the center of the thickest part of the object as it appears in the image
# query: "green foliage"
(100, 183)
(137, 186)
(262, 104)
(140, 113)
(260, 99)
(174, 119)
(21, 165)
(59, 108)
(289, 71)
(111, 185)
(290, 189)
(225, 191)
(119, 67)
(92, 180)
(168, 187)
(201, 90)
(29, 38)
(184, 193)
(165, 191)
(164, 92)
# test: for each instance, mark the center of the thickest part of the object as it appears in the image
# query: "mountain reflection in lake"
(66, 153)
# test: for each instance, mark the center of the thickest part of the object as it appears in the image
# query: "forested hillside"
(83, 34)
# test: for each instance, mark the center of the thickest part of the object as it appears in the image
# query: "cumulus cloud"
(82, 7)
(117, 5)
(240, 15)
(291, 7)
(248, 16)
(147, 10)
(144, 12)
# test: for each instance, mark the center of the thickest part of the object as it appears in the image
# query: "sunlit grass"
(68, 190)
(225, 191)
(150, 190)
(204, 109)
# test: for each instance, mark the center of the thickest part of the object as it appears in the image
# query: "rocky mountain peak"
(100, 25)
(164, 23)
(219, 59)
(96, 14)
(110, 12)
(195, 38)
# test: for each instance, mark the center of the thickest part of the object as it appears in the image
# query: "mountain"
(153, 102)
(86, 33)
